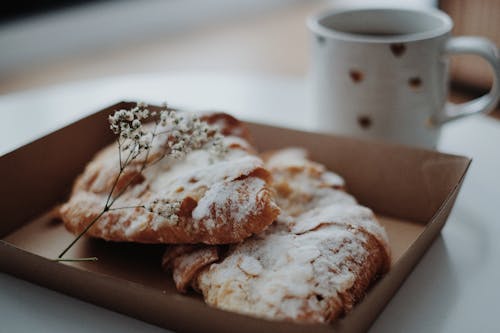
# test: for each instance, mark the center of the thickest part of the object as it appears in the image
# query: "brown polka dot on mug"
(356, 75)
(365, 121)
(415, 82)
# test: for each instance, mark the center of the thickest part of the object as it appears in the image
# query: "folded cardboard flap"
(40, 174)
(404, 183)
(394, 180)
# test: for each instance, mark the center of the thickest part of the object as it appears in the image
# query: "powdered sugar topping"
(299, 266)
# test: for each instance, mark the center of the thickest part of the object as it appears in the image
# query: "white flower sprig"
(166, 209)
(182, 133)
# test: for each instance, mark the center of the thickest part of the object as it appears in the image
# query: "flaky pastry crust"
(312, 265)
(222, 199)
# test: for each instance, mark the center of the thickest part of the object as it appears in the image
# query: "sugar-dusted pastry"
(312, 265)
(203, 197)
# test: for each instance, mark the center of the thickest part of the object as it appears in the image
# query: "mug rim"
(314, 24)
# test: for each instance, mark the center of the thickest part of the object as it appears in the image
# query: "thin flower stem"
(143, 167)
(122, 168)
(105, 209)
(129, 157)
(164, 132)
(159, 158)
(123, 190)
(120, 151)
(126, 207)
(106, 206)
(82, 233)
(76, 259)
(150, 147)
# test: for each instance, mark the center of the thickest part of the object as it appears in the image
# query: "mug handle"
(488, 51)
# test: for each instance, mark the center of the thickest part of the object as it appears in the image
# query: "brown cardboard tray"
(411, 190)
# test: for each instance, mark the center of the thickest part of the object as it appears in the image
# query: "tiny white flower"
(166, 209)
(185, 132)
(136, 124)
(124, 126)
(129, 116)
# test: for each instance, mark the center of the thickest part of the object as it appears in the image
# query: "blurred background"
(51, 42)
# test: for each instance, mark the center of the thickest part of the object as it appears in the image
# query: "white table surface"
(453, 289)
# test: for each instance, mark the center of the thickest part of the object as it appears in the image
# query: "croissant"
(312, 265)
(219, 200)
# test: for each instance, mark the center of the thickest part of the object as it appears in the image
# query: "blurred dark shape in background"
(25, 8)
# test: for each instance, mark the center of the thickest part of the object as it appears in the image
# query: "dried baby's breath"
(184, 132)
(166, 209)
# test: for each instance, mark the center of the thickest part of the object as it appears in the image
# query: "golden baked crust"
(312, 265)
(221, 199)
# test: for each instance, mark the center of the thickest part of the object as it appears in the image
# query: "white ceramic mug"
(383, 72)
